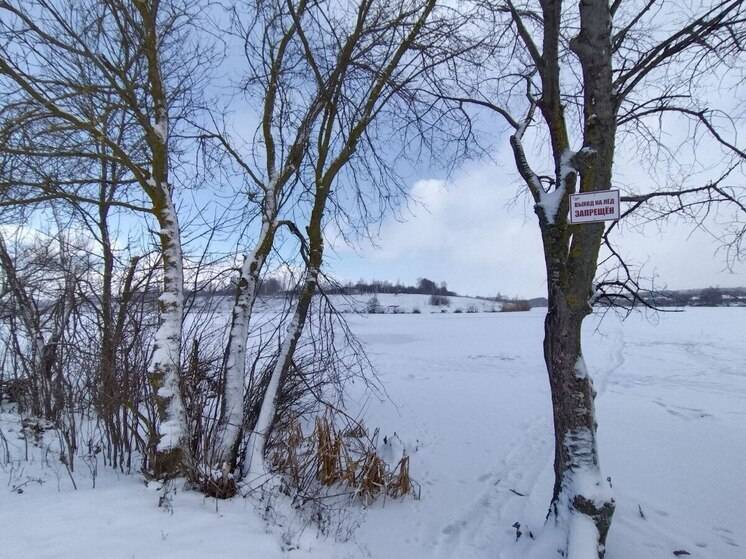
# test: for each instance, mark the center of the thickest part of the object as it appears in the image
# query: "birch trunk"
(169, 442)
(231, 421)
(164, 374)
(256, 470)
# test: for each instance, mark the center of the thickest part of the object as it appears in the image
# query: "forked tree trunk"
(581, 502)
(256, 469)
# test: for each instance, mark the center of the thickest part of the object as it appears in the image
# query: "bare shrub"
(439, 300)
(516, 305)
(373, 306)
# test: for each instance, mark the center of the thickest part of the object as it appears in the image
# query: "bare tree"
(45, 321)
(304, 61)
(365, 64)
(116, 58)
(270, 34)
(582, 78)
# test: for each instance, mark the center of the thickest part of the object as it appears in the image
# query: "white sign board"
(589, 207)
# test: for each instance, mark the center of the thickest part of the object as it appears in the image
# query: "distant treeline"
(424, 286)
(707, 297)
(273, 286)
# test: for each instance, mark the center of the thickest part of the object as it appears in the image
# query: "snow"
(582, 538)
(120, 519)
(566, 165)
(550, 201)
(161, 126)
(469, 402)
(587, 481)
(168, 336)
(581, 371)
(160, 129)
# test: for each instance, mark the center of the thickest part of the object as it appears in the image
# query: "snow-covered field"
(469, 400)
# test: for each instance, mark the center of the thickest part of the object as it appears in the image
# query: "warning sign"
(589, 207)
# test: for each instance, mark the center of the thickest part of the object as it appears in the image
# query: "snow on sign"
(589, 207)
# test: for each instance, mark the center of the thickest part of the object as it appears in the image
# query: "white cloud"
(466, 231)
(472, 232)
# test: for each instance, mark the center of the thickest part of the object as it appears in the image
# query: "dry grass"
(329, 457)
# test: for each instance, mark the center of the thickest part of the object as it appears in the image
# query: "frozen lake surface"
(469, 401)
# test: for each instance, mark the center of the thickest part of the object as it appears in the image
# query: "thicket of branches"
(114, 125)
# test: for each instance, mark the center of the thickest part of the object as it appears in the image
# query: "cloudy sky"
(475, 233)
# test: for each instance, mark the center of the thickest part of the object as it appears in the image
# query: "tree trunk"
(581, 502)
(164, 374)
(231, 421)
(579, 486)
(108, 402)
(256, 468)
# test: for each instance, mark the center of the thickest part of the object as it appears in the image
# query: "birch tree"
(133, 58)
(270, 33)
(364, 62)
(298, 55)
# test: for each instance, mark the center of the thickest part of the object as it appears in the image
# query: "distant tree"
(711, 297)
(438, 300)
(425, 285)
(516, 305)
(271, 286)
(373, 306)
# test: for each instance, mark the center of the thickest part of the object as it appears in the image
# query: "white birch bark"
(255, 467)
(232, 412)
(164, 367)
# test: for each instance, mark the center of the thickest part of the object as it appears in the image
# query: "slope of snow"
(469, 402)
